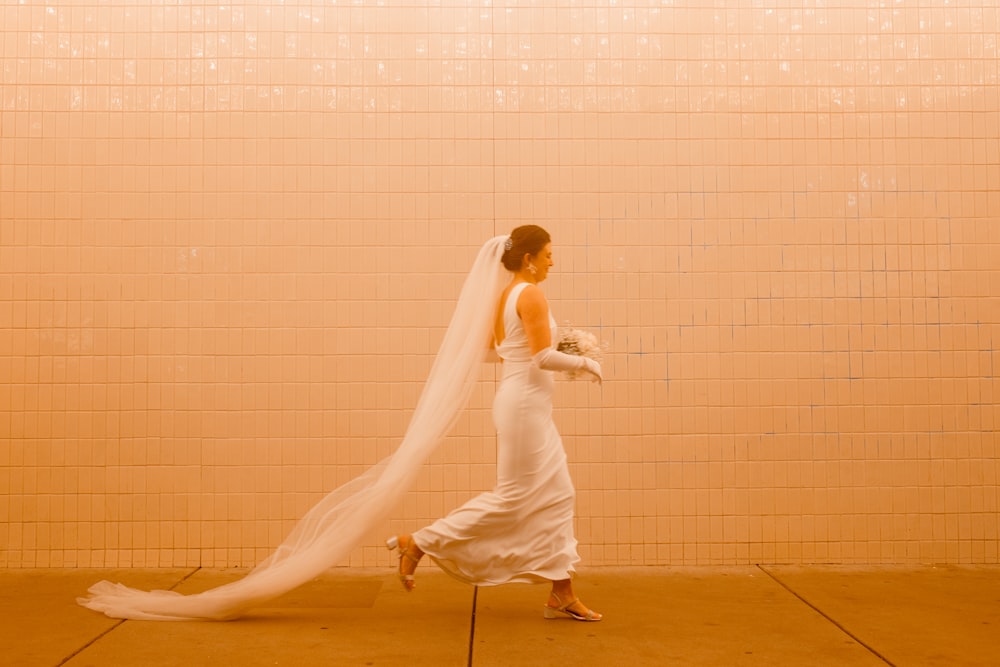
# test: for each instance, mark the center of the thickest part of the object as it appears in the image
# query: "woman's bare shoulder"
(531, 299)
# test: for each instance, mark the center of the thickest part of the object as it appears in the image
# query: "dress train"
(338, 523)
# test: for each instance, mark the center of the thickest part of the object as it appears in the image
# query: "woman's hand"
(594, 369)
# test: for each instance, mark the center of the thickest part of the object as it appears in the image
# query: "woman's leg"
(409, 555)
(562, 594)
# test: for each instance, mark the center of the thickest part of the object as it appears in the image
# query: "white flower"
(579, 343)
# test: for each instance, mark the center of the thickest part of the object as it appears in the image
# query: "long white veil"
(337, 524)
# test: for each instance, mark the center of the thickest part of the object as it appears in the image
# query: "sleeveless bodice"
(515, 343)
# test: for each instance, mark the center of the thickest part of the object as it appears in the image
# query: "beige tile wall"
(231, 236)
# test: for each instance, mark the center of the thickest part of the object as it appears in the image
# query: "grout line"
(185, 578)
(90, 643)
(118, 622)
(472, 629)
(825, 615)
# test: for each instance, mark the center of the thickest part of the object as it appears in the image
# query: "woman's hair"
(524, 240)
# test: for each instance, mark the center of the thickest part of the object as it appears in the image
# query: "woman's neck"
(525, 277)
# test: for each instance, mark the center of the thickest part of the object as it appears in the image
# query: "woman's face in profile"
(543, 261)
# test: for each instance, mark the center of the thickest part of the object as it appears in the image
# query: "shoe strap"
(569, 604)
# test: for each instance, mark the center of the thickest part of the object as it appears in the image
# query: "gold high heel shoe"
(404, 552)
(553, 612)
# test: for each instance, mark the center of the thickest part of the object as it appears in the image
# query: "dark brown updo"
(524, 240)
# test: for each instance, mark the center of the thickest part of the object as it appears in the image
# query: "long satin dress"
(522, 530)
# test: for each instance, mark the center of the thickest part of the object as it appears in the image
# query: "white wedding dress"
(522, 531)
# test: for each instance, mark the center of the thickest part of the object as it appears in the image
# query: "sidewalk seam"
(118, 623)
(825, 615)
(472, 623)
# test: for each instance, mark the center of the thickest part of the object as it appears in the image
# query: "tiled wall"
(231, 236)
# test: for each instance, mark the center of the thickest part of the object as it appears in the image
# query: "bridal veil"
(338, 523)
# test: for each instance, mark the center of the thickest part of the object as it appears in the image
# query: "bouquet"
(580, 344)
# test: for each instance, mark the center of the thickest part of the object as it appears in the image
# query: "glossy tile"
(231, 236)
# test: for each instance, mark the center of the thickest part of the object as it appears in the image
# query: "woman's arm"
(534, 312)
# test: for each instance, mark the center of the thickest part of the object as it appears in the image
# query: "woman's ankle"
(562, 592)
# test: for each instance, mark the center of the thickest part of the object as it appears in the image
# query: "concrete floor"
(767, 615)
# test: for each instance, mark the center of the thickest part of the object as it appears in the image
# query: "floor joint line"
(472, 623)
(185, 578)
(118, 622)
(822, 613)
(90, 643)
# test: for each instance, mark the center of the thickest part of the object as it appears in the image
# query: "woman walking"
(522, 531)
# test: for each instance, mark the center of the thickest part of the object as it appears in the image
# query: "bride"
(522, 531)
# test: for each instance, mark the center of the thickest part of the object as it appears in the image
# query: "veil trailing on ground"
(338, 523)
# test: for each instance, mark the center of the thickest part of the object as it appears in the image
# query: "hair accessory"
(508, 244)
